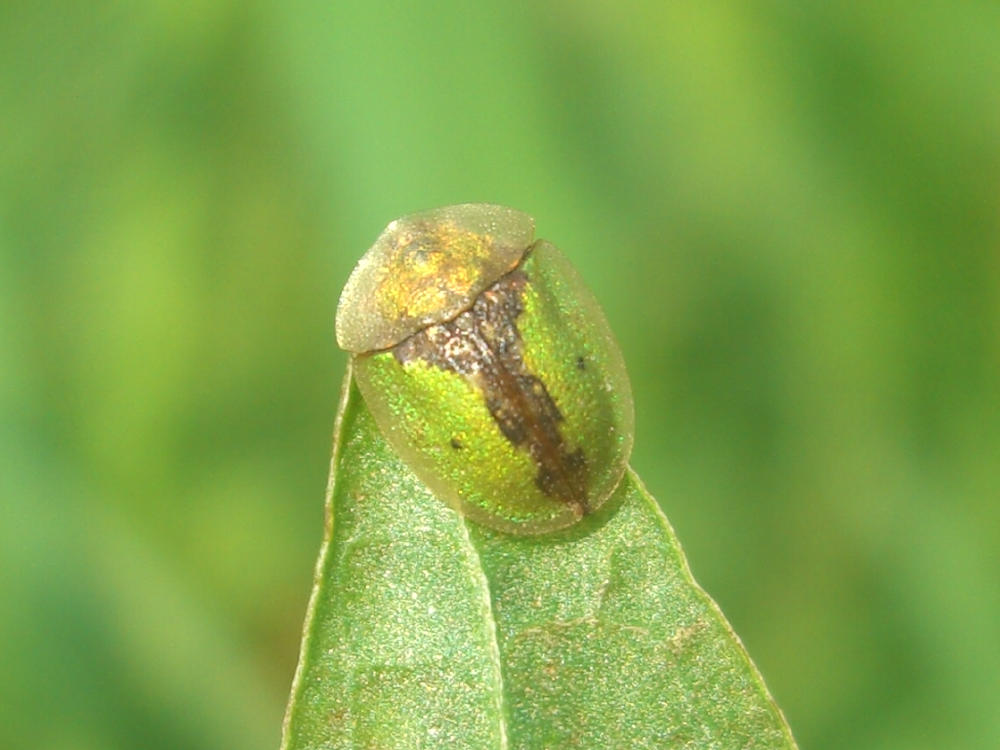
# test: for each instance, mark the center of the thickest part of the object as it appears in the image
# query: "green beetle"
(489, 367)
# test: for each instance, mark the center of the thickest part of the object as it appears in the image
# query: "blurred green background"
(791, 212)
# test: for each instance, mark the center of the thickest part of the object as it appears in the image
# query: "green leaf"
(426, 631)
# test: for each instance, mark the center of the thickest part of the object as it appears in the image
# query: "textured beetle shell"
(516, 410)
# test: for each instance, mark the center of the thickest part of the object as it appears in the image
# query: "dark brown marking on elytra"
(484, 345)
